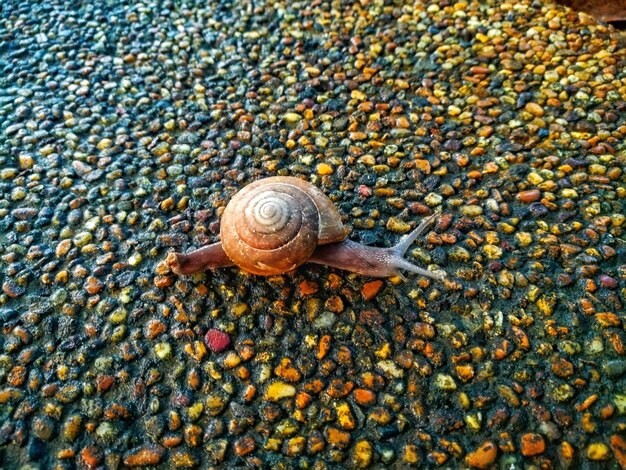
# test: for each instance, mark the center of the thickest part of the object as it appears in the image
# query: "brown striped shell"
(273, 225)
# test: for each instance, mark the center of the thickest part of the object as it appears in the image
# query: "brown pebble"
(153, 329)
(530, 195)
(244, 446)
(334, 304)
(608, 282)
(562, 367)
(287, 371)
(171, 440)
(150, 455)
(303, 399)
(340, 389)
(163, 281)
(371, 317)
(308, 287)
(364, 397)
(534, 109)
(479, 70)
(324, 346)
(484, 456)
(371, 289)
(532, 444)
(104, 382)
(618, 444)
(465, 372)
(93, 285)
(337, 438)
(12, 290)
(91, 457)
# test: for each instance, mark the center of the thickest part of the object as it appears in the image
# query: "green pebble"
(125, 296)
(445, 382)
(82, 238)
(118, 334)
(563, 393)
(104, 144)
(163, 351)
(321, 142)
(569, 193)
(135, 259)
(459, 254)
(474, 421)
(58, 297)
(66, 232)
(287, 427)
(433, 199)
(595, 346)
(106, 431)
(620, 403)
(174, 170)
(103, 364)
(390, 150)
(118, 316)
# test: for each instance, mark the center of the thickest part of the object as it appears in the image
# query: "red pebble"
(217, 340)
(365, 191)
(608, 282)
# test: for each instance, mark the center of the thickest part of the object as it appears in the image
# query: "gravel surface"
(125, 128)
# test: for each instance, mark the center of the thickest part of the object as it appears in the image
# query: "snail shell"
(273, 225)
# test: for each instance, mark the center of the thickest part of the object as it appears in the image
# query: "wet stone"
(614, 368)
(144, 456)
(484, 456)
(43, 428)
(532, 444)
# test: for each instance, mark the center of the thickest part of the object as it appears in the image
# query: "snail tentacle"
(403, 245)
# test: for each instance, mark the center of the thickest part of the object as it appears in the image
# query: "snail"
(275, 224)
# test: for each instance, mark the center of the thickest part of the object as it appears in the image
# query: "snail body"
(276, 224)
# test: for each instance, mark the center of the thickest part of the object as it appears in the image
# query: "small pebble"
(217, 340)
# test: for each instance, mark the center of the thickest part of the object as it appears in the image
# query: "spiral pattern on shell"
(273, 225)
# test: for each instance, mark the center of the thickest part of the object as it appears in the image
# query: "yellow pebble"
(345, 417)
(239, 309)
(569, 193)
(398, 226)
(598, 451)
(363, 454)
(524, 238)
(231, 360)
(324, 169)
(163, 350)
(278, 390)
(358, 95)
